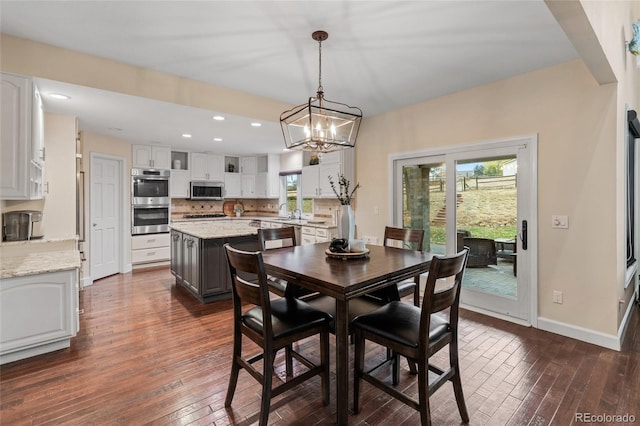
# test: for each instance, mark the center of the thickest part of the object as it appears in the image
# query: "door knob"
(95, 224)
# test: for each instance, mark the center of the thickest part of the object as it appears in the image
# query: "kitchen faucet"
(293, 214)
(280, 208)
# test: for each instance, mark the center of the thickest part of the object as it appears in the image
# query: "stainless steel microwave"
(205, 190)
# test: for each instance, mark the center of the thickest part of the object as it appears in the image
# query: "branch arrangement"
(344, 196)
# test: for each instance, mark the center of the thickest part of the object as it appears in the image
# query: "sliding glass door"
(481, 198)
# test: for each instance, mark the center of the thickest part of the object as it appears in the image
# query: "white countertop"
(39, 263)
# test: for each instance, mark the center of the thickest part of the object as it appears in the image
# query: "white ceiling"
(380, 56)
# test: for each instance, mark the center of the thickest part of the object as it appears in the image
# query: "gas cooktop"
(203, 215)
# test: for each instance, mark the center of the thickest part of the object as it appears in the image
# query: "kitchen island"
(198, 260)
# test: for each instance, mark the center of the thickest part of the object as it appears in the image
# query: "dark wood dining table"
(309, 266)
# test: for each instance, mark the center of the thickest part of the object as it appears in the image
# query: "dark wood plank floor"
(149, 353)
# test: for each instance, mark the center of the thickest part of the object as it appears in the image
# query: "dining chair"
(272, 325)
(409, 239)
(271, 238)
(417, 333)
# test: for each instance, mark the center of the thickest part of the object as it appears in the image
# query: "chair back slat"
(408, 238)
(245, 291)
(286, 236)
(441, 268)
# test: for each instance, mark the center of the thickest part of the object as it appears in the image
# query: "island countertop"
(215, 229)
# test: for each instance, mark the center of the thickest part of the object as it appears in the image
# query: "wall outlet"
(370, 240)
(557, 296)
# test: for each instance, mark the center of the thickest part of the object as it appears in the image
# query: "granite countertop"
(214, 229)
(39, 263)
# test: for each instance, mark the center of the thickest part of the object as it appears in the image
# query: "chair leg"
(412, 366)
(358, 364)
(416, 292)
(235, 368)
(267, 378)
(288, 360)
(457, 383)
(233, 381)
(423, 393)
(395, 376)
(324, 359)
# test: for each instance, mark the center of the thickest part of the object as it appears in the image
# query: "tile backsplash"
(322, 208)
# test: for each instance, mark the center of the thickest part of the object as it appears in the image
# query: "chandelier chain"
(320, 89)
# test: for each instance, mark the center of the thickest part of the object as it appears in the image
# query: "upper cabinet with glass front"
(22, 139)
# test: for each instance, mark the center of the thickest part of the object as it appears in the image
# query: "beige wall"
(611, 22)
(40, 60)
(573, 118)
(59, 219)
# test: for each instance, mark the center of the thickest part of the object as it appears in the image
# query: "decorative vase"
(347, 223)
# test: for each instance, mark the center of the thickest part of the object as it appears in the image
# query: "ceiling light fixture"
(320, 125)
(256, 124)
(186, 135)
(217, 139)
(218, 117)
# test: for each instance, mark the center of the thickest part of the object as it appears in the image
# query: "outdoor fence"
(466, 183)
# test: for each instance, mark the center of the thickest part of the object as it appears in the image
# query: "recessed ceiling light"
(256, 124)
(218, 117)
(217, 139)
(186, 135)
(59, 96)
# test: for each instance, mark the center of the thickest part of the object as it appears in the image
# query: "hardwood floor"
(149, 353)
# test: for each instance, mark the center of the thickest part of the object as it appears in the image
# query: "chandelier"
(320, 125)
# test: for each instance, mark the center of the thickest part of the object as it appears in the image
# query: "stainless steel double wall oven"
(150, 201)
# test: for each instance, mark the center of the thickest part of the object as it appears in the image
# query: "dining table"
(344, 277)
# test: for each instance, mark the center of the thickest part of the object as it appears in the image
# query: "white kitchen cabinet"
(315, 179)
(179, 183)
(156, 157)
(150, 248)
(248, 185)
(22, 139)
(207, 167)
(232, 185)
(249, 165)
(313, 235)
(39, 314)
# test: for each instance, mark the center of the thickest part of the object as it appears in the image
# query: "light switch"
(558, 221)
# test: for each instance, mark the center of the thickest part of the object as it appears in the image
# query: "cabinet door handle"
(151, 253)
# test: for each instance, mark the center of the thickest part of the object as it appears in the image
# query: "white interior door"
(478, 196)
(105, 217)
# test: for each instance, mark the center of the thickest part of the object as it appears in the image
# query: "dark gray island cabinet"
(199, 263)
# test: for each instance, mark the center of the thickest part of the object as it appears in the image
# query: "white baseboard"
(609, 341)
(127, 268)
(627, 316)
(85, 282)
